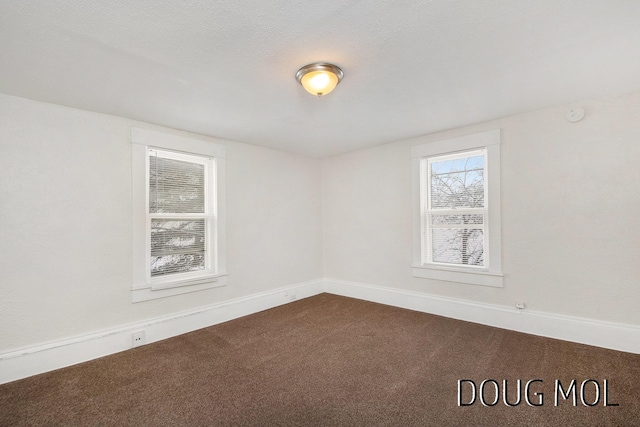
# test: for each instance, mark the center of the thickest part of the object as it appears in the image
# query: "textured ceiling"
(226, 68)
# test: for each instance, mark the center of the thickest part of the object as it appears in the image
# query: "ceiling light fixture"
(319, 78)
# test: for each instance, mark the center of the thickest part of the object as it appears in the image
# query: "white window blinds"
(180, 214)
(175, 186)
(455, 209)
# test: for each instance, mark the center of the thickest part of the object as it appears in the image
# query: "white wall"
(65, 224)
(570, 205)
(570, 196)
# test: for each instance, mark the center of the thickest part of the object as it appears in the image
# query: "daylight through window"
(455, 208)
(180, 213)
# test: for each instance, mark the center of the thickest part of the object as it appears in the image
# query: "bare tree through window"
(456, 208)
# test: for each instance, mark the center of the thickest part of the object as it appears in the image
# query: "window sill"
(160, 285)
(481, 278)
(176, 288)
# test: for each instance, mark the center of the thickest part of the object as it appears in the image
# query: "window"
(454, 209)
(178, 214)
(457, 210)
(181, 224)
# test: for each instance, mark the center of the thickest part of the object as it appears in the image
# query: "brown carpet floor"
(330, 360)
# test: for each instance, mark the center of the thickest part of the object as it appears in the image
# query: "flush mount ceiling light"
(319, 78)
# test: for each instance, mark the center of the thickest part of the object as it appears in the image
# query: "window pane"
(457, 183)
(462, 246)
(175, 186)
(177, 246)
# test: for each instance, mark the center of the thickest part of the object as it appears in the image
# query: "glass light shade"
(319, 79)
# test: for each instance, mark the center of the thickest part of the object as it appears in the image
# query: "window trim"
(491, 273)
(144, 287)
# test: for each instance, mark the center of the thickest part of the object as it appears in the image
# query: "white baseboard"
(615, 336)
(47, 357)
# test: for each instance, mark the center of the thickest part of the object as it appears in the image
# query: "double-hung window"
(181, 219)
(454, 207)
(178, 214)
(457, 210)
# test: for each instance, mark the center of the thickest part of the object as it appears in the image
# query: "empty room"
(335, 213)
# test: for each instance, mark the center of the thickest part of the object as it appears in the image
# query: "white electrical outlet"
(575, 114)
(138, 339)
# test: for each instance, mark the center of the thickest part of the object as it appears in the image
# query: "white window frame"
(212, 156)
(427, 209)
(491, 273)
(209, 217)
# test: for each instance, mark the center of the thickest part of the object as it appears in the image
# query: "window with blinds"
(181, 207)
(455, 209)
